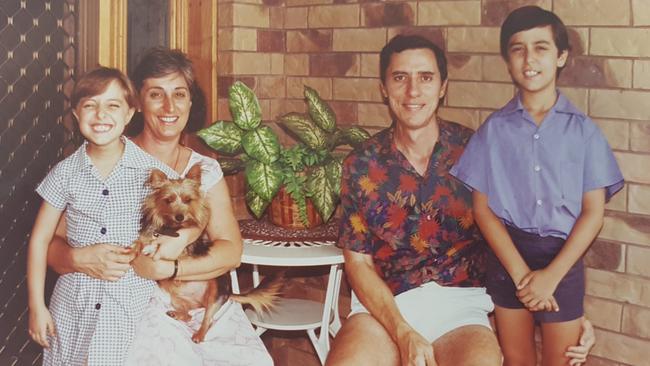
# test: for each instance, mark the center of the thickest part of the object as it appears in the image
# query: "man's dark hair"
(401, 43)
(529, 17)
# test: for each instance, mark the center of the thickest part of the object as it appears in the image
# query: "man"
(413, 256)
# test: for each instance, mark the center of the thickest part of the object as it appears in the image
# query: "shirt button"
(98, 306)
(539, 202)
(103, 230)
(105, 192)
(536, 136)
(537, 168)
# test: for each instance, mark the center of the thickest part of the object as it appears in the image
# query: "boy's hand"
(536, 288)
(41, 325)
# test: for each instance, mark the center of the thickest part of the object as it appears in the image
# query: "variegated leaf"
(222, 136)
(256, 204)
(262, 144)
(334, 171)
(263, 179)
(354, 136)
(306, 130)
(320, 111)
(244, 106)
(322, 192)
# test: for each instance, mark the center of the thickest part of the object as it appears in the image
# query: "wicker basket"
(283, 212)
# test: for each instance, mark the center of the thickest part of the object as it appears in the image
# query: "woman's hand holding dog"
(103, 261)
(171, 247)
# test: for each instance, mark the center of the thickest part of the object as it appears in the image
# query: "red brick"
(495, 11)
(387, 14)
(270, 40)
(311, 40)
(332, 64)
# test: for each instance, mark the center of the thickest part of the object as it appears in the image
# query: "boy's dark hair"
(158, 62)
(529, 17)
(96, 81)
(401, 43)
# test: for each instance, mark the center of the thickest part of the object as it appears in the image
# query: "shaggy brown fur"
(174, 204)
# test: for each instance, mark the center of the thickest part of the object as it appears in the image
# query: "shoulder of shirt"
(137, 158)
(454, 128)
(73, 162)
(372, 146)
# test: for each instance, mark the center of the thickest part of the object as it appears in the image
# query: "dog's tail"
(263, 297)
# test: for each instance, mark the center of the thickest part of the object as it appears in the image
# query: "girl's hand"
(536, 288)
(41, 325)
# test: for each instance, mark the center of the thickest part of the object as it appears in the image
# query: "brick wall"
(277, 46)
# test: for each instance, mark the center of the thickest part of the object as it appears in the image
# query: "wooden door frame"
(103, 39)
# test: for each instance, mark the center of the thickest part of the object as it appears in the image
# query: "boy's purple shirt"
(535, 176)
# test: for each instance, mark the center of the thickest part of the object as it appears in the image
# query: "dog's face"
(175, 203)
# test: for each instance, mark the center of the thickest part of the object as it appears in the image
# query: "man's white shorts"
(433, 310)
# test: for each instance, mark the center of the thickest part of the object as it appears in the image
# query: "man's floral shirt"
(417, 228)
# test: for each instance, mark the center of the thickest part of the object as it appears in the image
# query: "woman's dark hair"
(158, 62)
(401, 43)
(529, 17)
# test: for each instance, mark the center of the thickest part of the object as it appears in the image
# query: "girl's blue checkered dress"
(95, 319)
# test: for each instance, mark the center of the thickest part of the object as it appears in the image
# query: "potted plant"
(309, 171)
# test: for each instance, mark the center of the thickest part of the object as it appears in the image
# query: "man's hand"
(414, 350)
(103, 261)
(535, 291)
(578, 354)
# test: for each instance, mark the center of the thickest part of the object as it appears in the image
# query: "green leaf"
(320, 111)
(322, 192)
(306, 130)
(263, 179)
(223, 136)
(262, 144)
(256, 204)
(244, 106)
(334, 171)
(354, 136)
(230, 166)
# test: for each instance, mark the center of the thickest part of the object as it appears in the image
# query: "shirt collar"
(388, 149)
(562, 105)
(132, 157)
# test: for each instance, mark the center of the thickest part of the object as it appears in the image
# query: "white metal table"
(299, 314)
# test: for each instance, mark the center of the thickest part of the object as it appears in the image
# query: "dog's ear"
(156, 178)
(194, 173)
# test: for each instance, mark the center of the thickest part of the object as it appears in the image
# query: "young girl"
(541, 172)
(100, 188)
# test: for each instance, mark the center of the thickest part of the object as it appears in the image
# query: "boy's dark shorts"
(538, 252)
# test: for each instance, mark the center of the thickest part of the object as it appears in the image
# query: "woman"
(170, 104)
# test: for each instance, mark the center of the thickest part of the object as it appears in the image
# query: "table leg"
(322, 342)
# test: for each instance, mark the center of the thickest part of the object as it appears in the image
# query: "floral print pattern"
(417, 228)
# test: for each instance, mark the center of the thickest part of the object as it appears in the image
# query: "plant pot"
(283, 212)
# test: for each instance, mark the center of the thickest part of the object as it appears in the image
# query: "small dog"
(174, 204)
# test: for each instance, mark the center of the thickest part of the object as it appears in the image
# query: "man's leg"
(362, 341)
(469, 345)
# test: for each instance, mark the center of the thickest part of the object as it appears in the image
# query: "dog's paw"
(198, 337)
